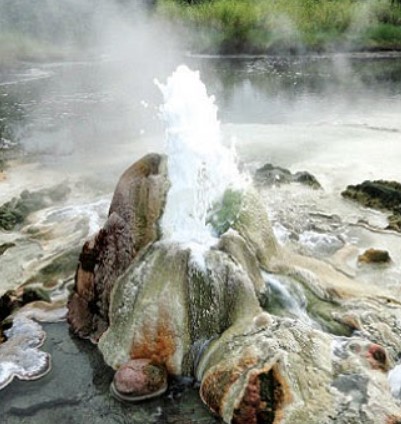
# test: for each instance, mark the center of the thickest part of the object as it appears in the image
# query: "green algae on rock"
(378, 194)
(223, 215)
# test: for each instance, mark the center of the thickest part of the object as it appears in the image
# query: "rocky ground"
(76, 390)
(380, 194)
(317, 317)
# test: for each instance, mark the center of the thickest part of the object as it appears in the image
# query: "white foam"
(94, 211)
(200, 168)
(291, 303)
(394, 380)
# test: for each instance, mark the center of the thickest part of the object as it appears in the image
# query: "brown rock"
(262, 401)
(374, 256)
(79, 315)
(265, 393)
(139, 377)
(393, 419)
(377, 357)
(137, 204)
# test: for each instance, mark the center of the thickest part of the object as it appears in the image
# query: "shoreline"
(358, 54)
(375, 54)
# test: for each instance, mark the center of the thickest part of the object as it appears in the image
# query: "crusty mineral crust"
(132, 224)
(200, 314)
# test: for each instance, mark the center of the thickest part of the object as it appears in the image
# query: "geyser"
(155, 312)
(200, 168)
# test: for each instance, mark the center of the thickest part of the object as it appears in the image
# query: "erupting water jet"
(200, 167)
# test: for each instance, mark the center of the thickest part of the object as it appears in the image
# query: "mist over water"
(341, 88)
(104, 95)
(99, 93)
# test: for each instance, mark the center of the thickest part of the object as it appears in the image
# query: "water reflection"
(86, 103)
(284, 90)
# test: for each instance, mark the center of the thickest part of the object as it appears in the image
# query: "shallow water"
(77, 390)
(337, 117)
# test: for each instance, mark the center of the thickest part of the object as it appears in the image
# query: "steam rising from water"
(200, 167)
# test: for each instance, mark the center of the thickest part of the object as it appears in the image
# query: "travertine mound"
(204, 312)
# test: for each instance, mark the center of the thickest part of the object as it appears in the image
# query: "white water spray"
(394, 380)
(289, 301)
(200, 168)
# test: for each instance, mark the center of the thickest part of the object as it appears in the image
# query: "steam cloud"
(105, 95)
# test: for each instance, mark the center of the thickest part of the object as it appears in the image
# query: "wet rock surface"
(170, 304)
(12, 300)
(139, 378)
(76, 390)
(132, 224)
(269, 175)
(5, 246)
(209, 315)
(15, 211)
(15, 299)
(61, 266)
(379, 194)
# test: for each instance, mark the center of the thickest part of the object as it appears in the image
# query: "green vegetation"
(214, 26)
(259, 26)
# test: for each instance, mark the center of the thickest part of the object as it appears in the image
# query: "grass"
(295, 25)
(385, 35)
